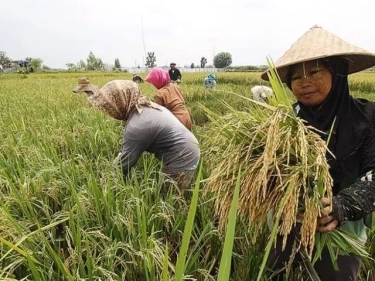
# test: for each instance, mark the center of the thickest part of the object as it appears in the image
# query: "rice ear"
(280, 154)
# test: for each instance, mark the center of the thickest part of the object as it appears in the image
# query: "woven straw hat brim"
(85, 88)
(318, 43)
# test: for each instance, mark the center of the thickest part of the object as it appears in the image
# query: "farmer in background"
(317, 74)
(169, 95)
(210, 81)
(137, 78)
(174, 73)
(261, 93)
(85, 86)
(149, 127)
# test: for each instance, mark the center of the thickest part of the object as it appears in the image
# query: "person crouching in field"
(85, 86)
(261, 93)
(137, 78)
(169, 95)
(149, 127)
(210, 81)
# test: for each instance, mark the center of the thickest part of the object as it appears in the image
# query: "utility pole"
(213, 57)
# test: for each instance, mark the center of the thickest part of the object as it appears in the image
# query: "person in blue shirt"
(210, 81)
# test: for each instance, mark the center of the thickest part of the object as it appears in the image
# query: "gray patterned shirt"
(162, 134)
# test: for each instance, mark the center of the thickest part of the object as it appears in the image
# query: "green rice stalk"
(181, 260)
(226, 257)
(165, 275)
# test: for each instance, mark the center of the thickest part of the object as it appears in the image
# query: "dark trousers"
(348, 265)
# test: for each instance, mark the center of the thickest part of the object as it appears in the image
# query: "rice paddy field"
(67, 214)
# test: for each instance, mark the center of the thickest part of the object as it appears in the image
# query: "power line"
(143, 39)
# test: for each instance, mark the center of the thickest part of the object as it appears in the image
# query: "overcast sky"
(64, 31)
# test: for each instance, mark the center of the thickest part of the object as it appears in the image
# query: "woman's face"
(311, 82)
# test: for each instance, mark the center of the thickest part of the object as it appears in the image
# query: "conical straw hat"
(84, 85)
(318, 43)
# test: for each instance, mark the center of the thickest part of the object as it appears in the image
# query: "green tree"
(203, 62)
(223, 59)
(100, 64)
(36, 63)
(117, 64)
(28, 59)
(4, 60)
(150, 60)
(262, 67)
(71, 66)
(192, 65)
(81, 65)
(94, 63)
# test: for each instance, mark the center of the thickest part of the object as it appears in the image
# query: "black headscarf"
(353, 120)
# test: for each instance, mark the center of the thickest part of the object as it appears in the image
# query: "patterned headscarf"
(119, 98)
(158, 77)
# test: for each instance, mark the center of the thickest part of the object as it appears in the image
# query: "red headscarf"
(158, 77)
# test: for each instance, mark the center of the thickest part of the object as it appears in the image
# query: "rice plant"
(66, 214)
(286, 174)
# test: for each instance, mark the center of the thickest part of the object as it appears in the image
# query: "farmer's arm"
(350, 204)
(159, 98)
(136, 141)
(355, 202)
(358, 200)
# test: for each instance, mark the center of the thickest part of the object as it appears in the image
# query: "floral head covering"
(119, 98)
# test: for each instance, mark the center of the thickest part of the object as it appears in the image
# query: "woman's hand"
(326, 223)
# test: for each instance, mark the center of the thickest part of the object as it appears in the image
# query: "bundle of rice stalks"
(284, 171)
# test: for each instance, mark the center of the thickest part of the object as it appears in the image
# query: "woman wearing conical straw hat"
(149, 127)
(316, 69)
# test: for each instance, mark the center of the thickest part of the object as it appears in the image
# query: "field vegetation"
(67, 214)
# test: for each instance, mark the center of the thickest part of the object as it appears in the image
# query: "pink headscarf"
(158, 77)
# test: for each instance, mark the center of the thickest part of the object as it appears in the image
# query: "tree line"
(94, 63)
(25, 65)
